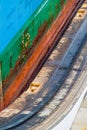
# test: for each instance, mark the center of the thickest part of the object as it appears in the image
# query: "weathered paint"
(46, 42)
(29, 34)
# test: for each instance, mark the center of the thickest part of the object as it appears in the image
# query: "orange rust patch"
(1, 103)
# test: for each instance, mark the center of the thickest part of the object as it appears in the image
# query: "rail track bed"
(55, 84)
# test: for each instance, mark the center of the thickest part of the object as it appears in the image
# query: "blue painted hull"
(14, 14)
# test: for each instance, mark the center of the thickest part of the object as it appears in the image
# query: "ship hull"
(52, 27)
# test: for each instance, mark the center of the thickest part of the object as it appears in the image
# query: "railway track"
(58, 72)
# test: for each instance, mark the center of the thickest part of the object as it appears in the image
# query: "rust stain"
(25, 54)
(41, 31)
(62, 3)
(1, 103)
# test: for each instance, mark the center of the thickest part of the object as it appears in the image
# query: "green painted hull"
(29, 34)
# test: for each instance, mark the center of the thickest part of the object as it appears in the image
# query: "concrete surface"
(80, 122)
